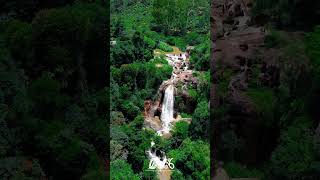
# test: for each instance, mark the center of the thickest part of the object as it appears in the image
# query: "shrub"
(122, 170)
(193, 38)
(150, 42)
(200, 121)
(165, 47)
(294, 154)
(185, 115)
(197, 167)
(236, 170)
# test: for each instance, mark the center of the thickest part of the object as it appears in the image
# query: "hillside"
(265, 88)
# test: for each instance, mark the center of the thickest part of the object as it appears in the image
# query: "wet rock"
(153, 123)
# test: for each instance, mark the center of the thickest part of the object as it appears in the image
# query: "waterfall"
(160, 163)
(167, 109)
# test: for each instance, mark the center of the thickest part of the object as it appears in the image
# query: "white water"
(167, 109)
(157, 161)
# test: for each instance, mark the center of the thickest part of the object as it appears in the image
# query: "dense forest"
(53, 90)
(139, 29)
(266, 90)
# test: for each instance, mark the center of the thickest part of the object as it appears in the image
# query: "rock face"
(228, 15)
(152, 112)
(235, 46)
(236, 50)
(235, 42)
(153, 123)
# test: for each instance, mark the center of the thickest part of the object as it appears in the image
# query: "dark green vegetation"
(138, 28)
(181, 16)
(287, 111)
(302, 14)
(53, 95)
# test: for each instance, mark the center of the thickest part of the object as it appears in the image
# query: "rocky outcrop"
(234, 43)
(153, 123)
(147, 108)
(236, 49)
(229, 15)
(152, 112)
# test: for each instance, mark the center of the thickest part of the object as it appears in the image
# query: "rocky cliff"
(238, 59)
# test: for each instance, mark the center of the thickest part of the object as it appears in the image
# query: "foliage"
(300, 13)
(179, 133)
(120, 170)
(177, 17)
(197, 167)
(313, 51)
(177, 41)
(21, 168)
(136, 17)
(136, 48)
(56, 101)
(165, 47)
(294, 153)
(117, 151)
(150, 42)
(193, 38)
(200, 121)
(139, 143)
(152, 175)
(181, 129)
(177, 175)
(200, 56)
(264, 102)
(185, 115)
(236, 170)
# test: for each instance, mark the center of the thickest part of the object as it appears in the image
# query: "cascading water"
(159, 162)
(167, 109)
